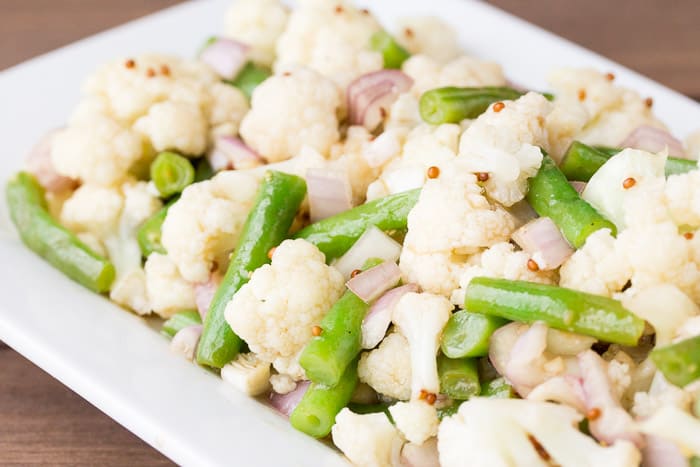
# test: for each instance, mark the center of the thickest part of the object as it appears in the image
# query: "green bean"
(467, 334)
(559, 308)
(250, 78)
(179, 321)
(459, 378)
(315, 413)
(448, 411)
(498, 388)
(551, 195)
(276, 204)
(171, 173)
(148, 234)
(203, 171)
(581, 161)
(679, 362)
(370, 408)
(694, 461)
(335, 235)
(47, 238)
(452, 104)
(394, 55)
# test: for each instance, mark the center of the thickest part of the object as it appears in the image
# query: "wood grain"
(44, 423)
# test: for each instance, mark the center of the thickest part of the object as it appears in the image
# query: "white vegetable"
(186, 340)
(248, 374)
(378, 317)
(373, 282)
(675, 425)
(416, 420)
(167, 291)
(330, 192)
(387, 369)
(368, 440)
(373, 243)
(428, 35)
(258, 23)
(542, 239)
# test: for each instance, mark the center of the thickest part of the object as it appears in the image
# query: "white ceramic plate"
(111, 357)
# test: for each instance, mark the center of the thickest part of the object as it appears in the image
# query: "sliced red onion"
(40, 165)
(373, 243)
(186, 340)
(542, 239)
(420, 455)
(502, 342)
(524, 369)
(330, 192)
(383, 148)
(286, 403)
(226, 56)
(578, 186)
(614, 422)
(378, 318)
(373, 282)
(371, 95)
(230, 152)
(566, 389)
(204, 293)
(659, 452)
(652, 139)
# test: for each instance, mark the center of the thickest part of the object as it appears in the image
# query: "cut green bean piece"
(459, 378)
(171, 173)
(498, 388)
(53, 242)
(694, 461)
(180, 321)
(393, 54)
(315, 414)
(453, 104)
(335, 235)
(148, 235)
(551, 195)
(559, 308)
(679, 362)
(467, 334)
(250, 78)
(276, 204)
(448, 411)
(203, 171)
(370, 408)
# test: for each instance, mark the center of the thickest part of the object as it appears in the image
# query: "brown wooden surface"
(43, 422)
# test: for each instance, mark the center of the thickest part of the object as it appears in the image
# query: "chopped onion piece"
(330, 192)
(578, 186)
(230, 152)
(383, 148)
(652, 139)
(542, 239)
(371, 95)
(378, 318)
(40, 165)
(373, 282)
(373, 243)
(659, 452)
(502, 342)
(566, 389)
(404, 178)
(420, 455)
(226, 56)
(204, 293)
(286, 403)
(186, 340)
(522, 212)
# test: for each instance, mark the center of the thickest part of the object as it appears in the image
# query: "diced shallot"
(420, 455)
(186, 340)
(40, 165)
(652, 139)
(542, 239)
(525, 368)
(330, 192)
(230, 152)
(378, 318)
(204, 293)
(373, 282)
(226, 56)
(578, 186)
(659, 452)
(286, 403)
(371, 95)
(501, 344)
(373, 243)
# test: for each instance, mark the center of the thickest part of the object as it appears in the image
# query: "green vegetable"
(581, 161)
(203, 171)
(315, 413)
(452, 104)
(448, 411)
(467, 334)
(276, 204)
(499, 388)
(148, 235)
(551, 195)
(394, 55)
(459, 378)
(694, 461)
(179, 321)
(370, 408)
(47, 238)
(559, 308)
(250, 77)
(335, 235)
(679, 362)
(171, 173)
(209, 41)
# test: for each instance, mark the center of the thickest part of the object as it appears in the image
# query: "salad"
(388, 241)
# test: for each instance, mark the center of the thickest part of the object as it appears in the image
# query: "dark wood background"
(43, 422)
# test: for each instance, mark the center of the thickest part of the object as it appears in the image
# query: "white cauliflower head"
(387, 369)
(368, 440)
(416, 420)
(429, 73)
(290, 110)
(167, 291)
(428, 35)
(257, 23)
(683, 197)
(275, 311)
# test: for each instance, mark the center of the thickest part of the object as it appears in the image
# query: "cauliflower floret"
(227, 108)
(416, 420)
(248, 374)
(92, 208)
(661, 394)
(474, 437)
(428, 73)
(203, 226)
(567, 119)
(692, 144)
(387, 369)
(330, 37)
(350, 158)
(367, 440)
(675, 425)
(500, 261)
(275, 311)
(175, 125)
(429, 35)
(683, 197)
(257, 23)
(167, 291)
(308, 116)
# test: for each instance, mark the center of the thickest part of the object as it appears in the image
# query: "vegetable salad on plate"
(390, 242)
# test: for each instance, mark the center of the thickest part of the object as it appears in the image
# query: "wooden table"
(43, 422)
